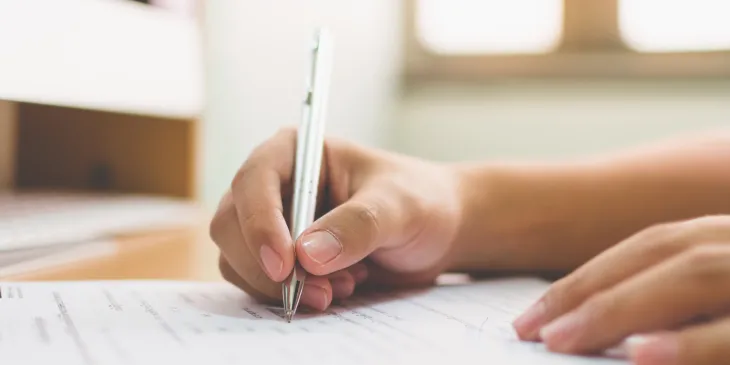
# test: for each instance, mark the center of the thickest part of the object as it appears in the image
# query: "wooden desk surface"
(177, 255)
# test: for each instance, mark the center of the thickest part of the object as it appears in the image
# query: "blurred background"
(168, 97)
(469, 79)
(444, 80)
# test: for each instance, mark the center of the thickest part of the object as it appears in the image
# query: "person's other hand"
(668, 286)
(382, 218)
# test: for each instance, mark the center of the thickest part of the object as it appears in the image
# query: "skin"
(667, 284)
(625, 228)
(393, 218)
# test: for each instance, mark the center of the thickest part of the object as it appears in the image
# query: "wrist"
(512, 220)
(478, 203)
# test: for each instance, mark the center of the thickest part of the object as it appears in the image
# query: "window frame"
(591, 46)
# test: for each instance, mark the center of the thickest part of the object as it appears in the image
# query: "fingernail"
(272, 262)
(528, 324)
(560, 334)
(359, 273)
(341, 288)
(321, 246)
(314, 296)
(654, 350)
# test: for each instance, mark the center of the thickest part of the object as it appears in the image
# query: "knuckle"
(700, 256)
(558, 297)
(220, 222)
(251, 222)
(603, 305)
(664, 240)
(285, 136)
(214, 229)
(244, 172)
(708, 264)
(417, 207)
(707, 228)
(552, 300)
(659, 232)
(709, 221)
(257, 225)
(367, 215)
(357, 225)
(287, 132)
(693, 229)
(265, 152)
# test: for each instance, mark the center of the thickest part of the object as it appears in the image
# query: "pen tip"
(288, 315)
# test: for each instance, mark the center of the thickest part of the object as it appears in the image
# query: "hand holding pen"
(381, 219)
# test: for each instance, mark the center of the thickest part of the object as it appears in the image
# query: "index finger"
(257, 196)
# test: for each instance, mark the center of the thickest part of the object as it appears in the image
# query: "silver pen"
(308, 160)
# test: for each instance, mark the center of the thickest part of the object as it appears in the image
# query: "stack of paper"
(42, 223)
(153, 322)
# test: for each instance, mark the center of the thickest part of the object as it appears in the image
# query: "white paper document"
(181, 323)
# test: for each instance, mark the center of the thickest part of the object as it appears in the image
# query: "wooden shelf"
(60, 148)
(106, 55)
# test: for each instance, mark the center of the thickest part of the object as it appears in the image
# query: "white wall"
(257, 58)
(553, 119)
(7, 144)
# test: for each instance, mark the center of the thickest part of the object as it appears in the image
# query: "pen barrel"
(310, 137)
(305, 192)
(308, 160)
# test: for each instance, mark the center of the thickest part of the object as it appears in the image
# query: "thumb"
(350, 232)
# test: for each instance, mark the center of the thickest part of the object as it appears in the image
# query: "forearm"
(554, 217)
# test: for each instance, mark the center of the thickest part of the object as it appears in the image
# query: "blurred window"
(675, 25)
(489, 26)
(470, 39)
